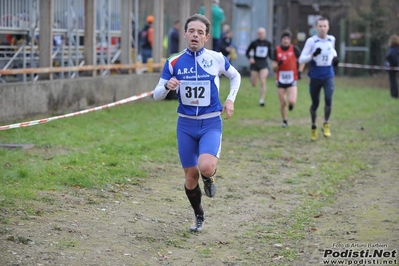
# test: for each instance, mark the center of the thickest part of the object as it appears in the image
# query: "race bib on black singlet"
(195, 93)
(261, 51)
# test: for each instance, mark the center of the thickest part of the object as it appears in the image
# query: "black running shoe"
(285, 124)
(209, 186)
(197, 226)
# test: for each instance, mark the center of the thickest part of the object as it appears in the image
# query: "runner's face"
(261, 34)
(286, 41)
(322, 28)
(195, 35)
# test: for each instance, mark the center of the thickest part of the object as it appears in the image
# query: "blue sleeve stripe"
(226, 64)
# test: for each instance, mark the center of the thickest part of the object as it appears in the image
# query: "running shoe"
(209, 186)
(326, 130)
(314, 133)
(285, 124)
(197, 226)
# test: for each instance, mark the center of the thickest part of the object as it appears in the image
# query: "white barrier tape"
(45, 120)
(367, 66)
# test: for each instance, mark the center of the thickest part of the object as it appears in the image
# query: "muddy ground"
(248, 222)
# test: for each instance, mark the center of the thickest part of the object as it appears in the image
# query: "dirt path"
(146, 221)
(365, 215)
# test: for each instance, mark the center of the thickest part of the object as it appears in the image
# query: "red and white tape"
(45, 120)
(367, 66)
(143, 95)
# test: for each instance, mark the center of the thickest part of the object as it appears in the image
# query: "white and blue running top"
(321, 65)
(199, 75)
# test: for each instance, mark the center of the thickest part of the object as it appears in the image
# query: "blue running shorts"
(198, 136)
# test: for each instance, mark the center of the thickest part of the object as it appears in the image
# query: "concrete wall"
(20, 101)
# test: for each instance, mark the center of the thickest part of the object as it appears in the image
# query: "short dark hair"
(198, 17)
(286, 33)
(321, 19)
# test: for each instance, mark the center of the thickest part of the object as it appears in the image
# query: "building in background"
(362, 27)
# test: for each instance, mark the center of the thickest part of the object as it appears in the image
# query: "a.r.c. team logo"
(206, 64)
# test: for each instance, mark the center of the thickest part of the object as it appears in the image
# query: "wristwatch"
(166, 88)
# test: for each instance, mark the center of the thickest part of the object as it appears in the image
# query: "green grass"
(89, 151)
(108, 147)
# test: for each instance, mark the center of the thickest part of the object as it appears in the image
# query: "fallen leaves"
(162, 257)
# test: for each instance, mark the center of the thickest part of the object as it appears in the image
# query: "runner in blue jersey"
(194, 74)
(320, 51)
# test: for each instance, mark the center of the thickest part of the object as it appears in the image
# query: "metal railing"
(26, 56)
(20, 19)
(18, 15)
(23, 15)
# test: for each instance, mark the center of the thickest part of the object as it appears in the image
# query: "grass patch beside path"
(109, 146)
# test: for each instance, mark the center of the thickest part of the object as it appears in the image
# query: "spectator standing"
(225, 28)
(173, 48)
(146, 38)
(227, 47)
(173, 38)
(217, 18)
(392, 60)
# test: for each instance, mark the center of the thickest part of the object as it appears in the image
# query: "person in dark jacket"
(392, 60)
(173, 38)
(173, 48)
(226, 46)
(146, 39)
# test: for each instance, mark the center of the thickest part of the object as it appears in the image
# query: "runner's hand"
(228, 108)
(317, 52)
(172, 84)
(335, 61)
